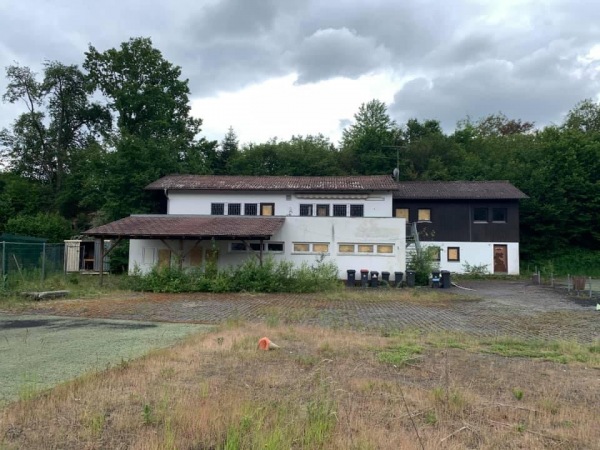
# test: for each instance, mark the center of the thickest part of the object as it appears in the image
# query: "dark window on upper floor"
(480, 215)
(357, 210)
(217, 209)
(306, 210)
(322, 210)
(234, 209)
(250, 209)
(498, 214)
(339, 210)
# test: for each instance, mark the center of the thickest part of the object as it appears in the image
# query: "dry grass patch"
(322, 389)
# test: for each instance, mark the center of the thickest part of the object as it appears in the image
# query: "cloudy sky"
(283, 67)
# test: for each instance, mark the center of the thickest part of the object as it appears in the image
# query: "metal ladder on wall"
(413, 245)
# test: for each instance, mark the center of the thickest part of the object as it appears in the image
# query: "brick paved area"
(513, 308)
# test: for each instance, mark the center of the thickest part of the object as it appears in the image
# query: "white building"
(357, 222)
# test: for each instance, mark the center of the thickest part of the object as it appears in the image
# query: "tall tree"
(155, 133)
(60, 120)
(224, 155)
(368, 144)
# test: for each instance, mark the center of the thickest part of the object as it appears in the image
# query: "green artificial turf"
(38, 352)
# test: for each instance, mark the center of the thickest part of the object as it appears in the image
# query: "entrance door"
(500, 259)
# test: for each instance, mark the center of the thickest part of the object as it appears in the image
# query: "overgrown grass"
(322, 389)
(576, 261)
(247, 277)
(78, 285)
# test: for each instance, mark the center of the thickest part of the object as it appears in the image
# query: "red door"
(500, 259)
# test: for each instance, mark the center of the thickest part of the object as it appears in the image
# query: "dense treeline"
(92, 137)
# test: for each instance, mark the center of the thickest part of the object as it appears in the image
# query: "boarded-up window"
(362, 248)
(424, 214)
(385, 248)
(322, 210)
(267, 209)
(320, 248)
(453, 254)
(346, 248)
(196, 257)
(164, 257)
(300, 247)
(402, 213)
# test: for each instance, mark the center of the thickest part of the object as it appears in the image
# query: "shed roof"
(457, 190)
(274, 183)
(190, 227)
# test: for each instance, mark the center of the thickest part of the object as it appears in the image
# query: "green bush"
(249, 276)
(423, 263)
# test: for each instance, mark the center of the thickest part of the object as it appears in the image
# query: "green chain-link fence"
(28, 259)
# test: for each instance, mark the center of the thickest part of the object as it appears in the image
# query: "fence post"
(43, 262)
(590, 279)
(3, 265)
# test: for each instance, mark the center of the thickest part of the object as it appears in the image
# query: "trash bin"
(374, 279)
(446, 279)
(385, 278)
(364, 278)
(351, 278)
(435, 278)
(398, 279)
(410, 278)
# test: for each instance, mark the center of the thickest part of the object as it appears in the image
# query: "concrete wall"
(476, 253)
(334, 231)
(377, 204)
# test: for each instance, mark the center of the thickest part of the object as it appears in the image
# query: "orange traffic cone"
(266, 344)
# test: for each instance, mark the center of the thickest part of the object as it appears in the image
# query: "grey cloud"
(338, 53)
(494, 86)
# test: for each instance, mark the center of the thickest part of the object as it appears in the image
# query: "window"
(362, 248)
(339, 210)
(480, 215)
(148, 255)
(234, 209)
(385, 248)
(250, 209)
(402, 213)
(217, 209)
(435, 253)
(255, 247)
(267, 209)
(498, 214)
(306, 210)
(321, 248)
(300, 247)
(424, 215)
(275, 246)
(322, 210)
(357, 210)
(238, 247)
(346, 248)
(453, 254)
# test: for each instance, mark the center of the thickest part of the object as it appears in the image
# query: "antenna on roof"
(396, 174)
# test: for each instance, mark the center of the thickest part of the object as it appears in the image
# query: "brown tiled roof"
(166, 226)
(279, 183)
(457, 190)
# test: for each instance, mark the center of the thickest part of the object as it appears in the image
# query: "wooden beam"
(105, 254)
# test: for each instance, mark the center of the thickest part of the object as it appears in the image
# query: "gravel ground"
(491, 308)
